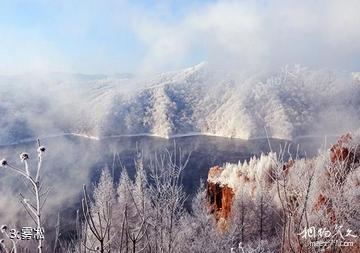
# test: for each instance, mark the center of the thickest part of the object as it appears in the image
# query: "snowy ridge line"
(85, 136)
(316, 136)
(211, 102)
(27, 140)
(165, 137)
(99, 138)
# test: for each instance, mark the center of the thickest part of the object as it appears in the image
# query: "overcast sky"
(115, 36)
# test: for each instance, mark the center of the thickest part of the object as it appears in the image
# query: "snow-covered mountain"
(290, 102)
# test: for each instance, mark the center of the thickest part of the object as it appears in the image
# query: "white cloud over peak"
(255, 34)
(157, 36)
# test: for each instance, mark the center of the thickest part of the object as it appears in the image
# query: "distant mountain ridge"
(291, 102)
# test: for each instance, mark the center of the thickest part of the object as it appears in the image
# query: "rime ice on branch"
(32, 207)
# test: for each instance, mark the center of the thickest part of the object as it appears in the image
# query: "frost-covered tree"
(274, 200)
(167, 200)
(162, 108)
(98, 214)
(264, 217)
(242, 216)
(199, 229)
(133, 206)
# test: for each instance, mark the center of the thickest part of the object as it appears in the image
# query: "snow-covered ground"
(291, 102)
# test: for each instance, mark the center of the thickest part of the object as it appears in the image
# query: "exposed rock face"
(260, 175)
(224, 182)
(340, 151)
(323, 202)
(220, 199)
(343, 156)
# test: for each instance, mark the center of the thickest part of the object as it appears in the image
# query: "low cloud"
(117, 36)
(255, 34)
